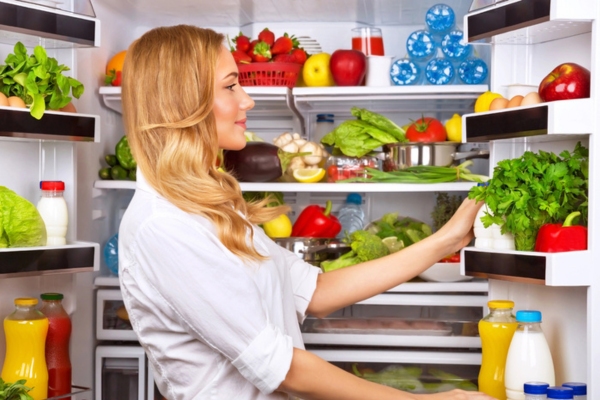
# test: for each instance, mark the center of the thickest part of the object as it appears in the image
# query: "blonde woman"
(214, 302)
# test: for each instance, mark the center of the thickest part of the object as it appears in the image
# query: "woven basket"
(269, 74)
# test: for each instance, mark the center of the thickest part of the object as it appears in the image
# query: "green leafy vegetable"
(534, 189)
(407, 230)
(381, 122)
(21, 225)
(14, 391)
(365, 246)
(445, 207)
(403, 378)
(38, 80)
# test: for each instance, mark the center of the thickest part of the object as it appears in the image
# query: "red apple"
(348, 67)
(567, 81)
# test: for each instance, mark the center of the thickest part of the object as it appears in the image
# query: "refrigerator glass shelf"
(571, 268)
(414, 339)
(75, 391)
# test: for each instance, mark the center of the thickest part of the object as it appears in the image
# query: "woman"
(215, 303)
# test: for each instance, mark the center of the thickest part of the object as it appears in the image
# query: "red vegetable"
(316, 221)
(554, 238)
(426, 129)
(452, 258)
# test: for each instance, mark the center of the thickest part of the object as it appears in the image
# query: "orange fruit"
(116, 63)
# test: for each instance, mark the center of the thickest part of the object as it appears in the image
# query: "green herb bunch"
(14, 391)
(445, 207)
(38, 80)
(534, 189)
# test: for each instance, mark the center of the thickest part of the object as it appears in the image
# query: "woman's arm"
(311, 377)
(340, 288)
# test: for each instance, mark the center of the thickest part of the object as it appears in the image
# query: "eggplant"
(258, 162)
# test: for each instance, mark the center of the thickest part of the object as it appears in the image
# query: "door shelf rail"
(567, 117)
(45, 260)
(76, 390)
(427, 299)
(529, 21)
(572, 268)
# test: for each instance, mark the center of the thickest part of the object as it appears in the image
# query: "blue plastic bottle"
(420, 46)
(405, 72)
(473, 71)
(351, 215)
(535, 390)
(439, 71)
(440, 19)
(454, 47)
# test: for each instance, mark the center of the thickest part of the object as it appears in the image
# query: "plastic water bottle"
(559, 392)
(405, 72)
(473, 71)
(535, 390)
(351, 215)
(439, 71)
(440, 19)
(579, 390)
(454, 47)
(420, 46)
(323, 127)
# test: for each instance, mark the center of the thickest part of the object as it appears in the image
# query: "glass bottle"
(25, 330)
(535, 390)
(496, 331)
(57, 344)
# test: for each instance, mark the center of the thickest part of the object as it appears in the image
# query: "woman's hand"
(456, 394)
(458, 231)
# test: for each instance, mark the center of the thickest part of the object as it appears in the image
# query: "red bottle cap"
(52, 185)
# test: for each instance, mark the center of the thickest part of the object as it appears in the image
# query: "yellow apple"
(316, 70)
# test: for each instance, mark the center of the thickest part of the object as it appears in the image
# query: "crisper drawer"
(402, 320)
(412, 371)
(112, 320)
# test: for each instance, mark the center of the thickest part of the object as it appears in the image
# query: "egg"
(515, 101)
(531, 99)
(15, 101)
(3, 100)
(498, 103)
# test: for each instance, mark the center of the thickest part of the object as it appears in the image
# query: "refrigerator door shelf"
(45, 260)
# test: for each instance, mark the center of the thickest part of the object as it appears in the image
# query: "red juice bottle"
(57, 345)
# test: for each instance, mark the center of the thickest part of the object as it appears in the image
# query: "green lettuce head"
(21, 225)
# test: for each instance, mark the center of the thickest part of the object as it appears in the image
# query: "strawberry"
(261, 52)
(242, 43)
(240, 57)
(284, 44)
(299, 55)
(113, 78)
(286, 58)
(250, 50)
(267, 36)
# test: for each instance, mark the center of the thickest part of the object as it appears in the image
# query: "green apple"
(316, 70)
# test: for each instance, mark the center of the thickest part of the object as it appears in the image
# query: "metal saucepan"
(314, 250)
(398, 156)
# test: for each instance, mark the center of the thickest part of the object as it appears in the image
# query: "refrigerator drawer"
(112, 321)
(412, 371)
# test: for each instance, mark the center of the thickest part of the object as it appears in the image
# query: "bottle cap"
(535, 387)
(559, 392)
(501, 304)
(324, 116)
(579, 388)
(52, 185)
(354, 198)
(528, 316)
(487, 183)
(51, 296)
(26, 301)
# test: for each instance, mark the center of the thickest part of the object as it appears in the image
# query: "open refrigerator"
(522, 41)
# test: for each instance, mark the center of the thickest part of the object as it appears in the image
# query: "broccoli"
(365, 246)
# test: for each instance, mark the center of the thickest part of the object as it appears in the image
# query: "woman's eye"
(230, 87)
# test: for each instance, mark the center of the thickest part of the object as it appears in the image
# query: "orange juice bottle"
(496, 331)
(25, 331)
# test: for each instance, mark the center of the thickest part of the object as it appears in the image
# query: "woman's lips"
(241, 123)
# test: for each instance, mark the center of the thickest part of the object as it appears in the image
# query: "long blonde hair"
(167, 97)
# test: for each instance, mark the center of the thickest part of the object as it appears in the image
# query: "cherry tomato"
(452, 258)
(426, 129)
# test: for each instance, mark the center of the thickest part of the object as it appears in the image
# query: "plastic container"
(496, 331)
(325, 124)
(535, 390)
(405, 72)
(559, 392)
(53, 209)
(25, 330)
(269, 74)
(439, 71)
(420, 46)
(369, 40)
(111, 254)
(529, 357)
(345, 167)
(579, 390)
(378, 71)
(351, 215)
(454, 46)
(58, 360)
(440, 19)
(473, 71)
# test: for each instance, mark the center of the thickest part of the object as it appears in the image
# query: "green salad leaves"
(21, 225)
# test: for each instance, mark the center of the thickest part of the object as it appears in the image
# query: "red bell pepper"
(316, 221)
(554, 238)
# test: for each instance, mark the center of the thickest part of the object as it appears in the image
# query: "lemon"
(279, 227)
(454, 128)
(484, 100)
(393, 244)
(309, 175)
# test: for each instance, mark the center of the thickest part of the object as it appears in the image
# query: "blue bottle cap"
(440, 18)
(420, 45)
(324, 116)
(579, 388)
(528, 316)
(535, 387)
(354, 198)
(559, 392)
(404, 72)
(454, 47)
(439, 71)
(473, 71)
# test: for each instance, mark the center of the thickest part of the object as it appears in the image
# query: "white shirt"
(212, 327)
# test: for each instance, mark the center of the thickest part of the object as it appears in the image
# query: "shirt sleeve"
(214, 296)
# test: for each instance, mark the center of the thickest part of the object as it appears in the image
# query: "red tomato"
(426, 129)
(452, 258)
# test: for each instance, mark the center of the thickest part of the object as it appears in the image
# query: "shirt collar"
(142, 183)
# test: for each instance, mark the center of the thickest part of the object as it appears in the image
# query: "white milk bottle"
(53, 209)
(529, 357)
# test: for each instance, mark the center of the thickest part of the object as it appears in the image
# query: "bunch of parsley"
(534, 189)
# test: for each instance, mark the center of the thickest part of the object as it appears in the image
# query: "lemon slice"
(309, 175)
(393, 244)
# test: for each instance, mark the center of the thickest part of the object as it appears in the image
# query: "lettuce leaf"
(21, 225)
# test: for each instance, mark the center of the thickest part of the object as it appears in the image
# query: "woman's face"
(231, 104)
